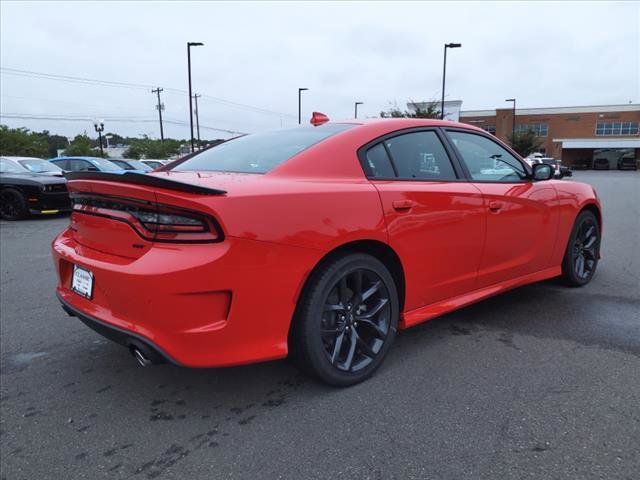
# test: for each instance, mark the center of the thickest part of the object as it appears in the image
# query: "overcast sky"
(258, 54)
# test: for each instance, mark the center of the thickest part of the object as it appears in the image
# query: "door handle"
(495, 206)
(403, 204)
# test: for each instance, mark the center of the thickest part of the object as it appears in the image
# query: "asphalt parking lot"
(541, 382)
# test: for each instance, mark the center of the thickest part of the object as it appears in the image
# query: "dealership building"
(572, 134)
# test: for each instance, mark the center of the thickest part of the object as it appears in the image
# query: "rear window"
(260, 152)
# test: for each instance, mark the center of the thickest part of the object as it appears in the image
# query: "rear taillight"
(162, 223)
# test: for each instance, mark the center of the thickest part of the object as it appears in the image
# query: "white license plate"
(82, 281)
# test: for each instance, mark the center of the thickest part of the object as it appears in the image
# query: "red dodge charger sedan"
(317, 242)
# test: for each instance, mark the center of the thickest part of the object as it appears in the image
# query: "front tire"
(13, 205)
(583, 251)
(346, 319)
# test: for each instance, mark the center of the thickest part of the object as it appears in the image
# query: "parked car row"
(33, 186)
(560, 171)
(601, 163)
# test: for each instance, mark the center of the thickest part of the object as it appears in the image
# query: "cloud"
(543, 53)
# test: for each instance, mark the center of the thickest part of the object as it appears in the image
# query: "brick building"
(572, 134)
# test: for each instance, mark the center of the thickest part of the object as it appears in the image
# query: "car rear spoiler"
(144, 179)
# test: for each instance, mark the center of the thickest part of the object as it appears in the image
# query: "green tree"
(54, 142)
(21, 142)
(80, 146)
(524, 143)
(148, 148)
(431, 111)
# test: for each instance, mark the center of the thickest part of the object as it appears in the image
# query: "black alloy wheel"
(346, 320)
(583, 250)
(13, 205)
(356, 320)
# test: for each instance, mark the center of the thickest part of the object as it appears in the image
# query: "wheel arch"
(595, 209)
(377, 249)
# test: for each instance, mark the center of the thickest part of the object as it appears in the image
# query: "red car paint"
(232, 302)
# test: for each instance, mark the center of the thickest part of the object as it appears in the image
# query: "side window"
(79, 165)
(486, 160)
(420, 155)
(63, 164)
(378, 163)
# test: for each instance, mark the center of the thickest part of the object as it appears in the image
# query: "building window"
(616, 128)
(540, 129)
(489, 128)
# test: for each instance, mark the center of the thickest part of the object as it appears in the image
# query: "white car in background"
(153, 163)
(559, 170)
(37, 165)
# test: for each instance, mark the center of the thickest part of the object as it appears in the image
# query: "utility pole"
(195, 97)
(189, 45)
(160, 107)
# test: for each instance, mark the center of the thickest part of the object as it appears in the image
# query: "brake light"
(162, 223)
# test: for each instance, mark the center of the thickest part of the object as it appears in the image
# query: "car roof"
(16, 159)
(400, 123)
(78, 158)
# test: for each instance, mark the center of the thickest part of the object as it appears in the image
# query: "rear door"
(521, 214)
(435, 219)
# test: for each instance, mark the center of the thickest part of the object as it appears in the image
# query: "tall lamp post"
(99, 126)
(189, 45)
(513, 125)
(355, 115)
(444, 73)
(300, 90)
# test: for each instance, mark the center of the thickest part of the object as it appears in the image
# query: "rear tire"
(583, 251)
(13, 205)
(346, 320)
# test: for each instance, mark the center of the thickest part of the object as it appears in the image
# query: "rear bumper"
(118, 335)
(200, 305)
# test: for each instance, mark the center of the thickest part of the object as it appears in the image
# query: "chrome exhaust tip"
(140, 357)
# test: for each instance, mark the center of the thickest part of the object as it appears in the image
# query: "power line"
(138, 86)
(80, 118)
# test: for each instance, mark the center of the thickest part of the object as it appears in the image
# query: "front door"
(521, 216)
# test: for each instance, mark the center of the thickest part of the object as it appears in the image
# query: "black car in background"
(582, 164)
(600, 164)
(627, 163)
(23, 192)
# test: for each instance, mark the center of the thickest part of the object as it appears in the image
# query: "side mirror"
(542, 171)
(92, 168)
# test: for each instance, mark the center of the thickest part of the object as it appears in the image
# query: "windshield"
(37, 165)
(9, 166)
(260, 152)
(153, 164)
(138, 165)
(105, 165)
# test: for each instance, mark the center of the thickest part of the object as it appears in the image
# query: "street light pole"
(356, 109)
(189, 45)
(300, 90)
(513, 124)
(444, 73)
(99, 126)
